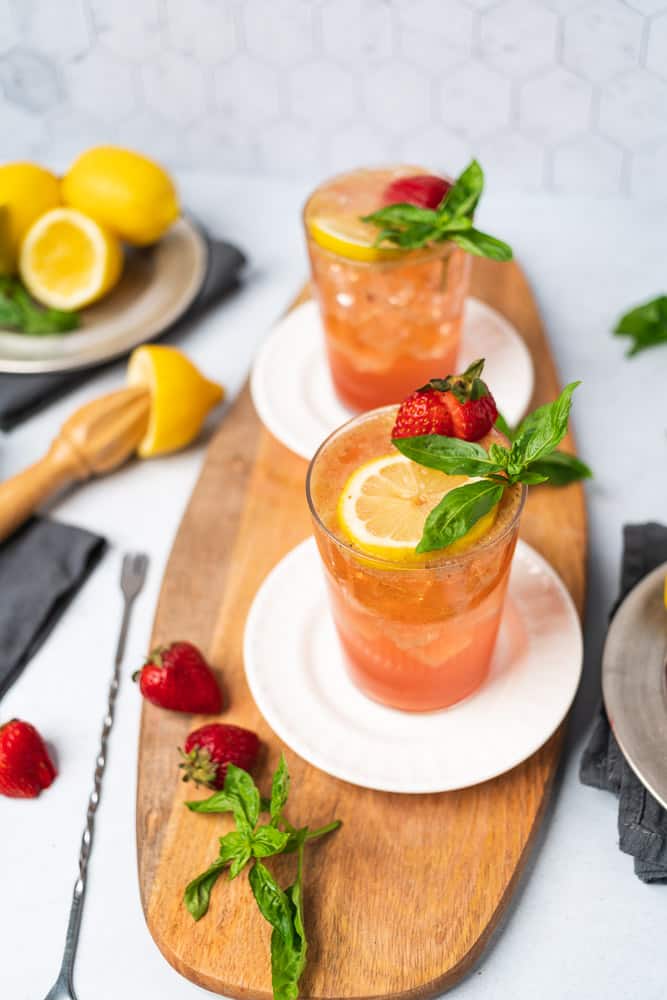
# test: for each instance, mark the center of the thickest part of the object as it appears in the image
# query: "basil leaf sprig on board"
(248, 844)
(560, 467)
(530, 460)
(19, 312)
(410, 227)
(646, 325)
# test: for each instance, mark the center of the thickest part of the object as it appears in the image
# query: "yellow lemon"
(68, 260)
(349, 237)
(26, 191)
(385, 503)
(6, 255)
(181, 397)
(126, 192)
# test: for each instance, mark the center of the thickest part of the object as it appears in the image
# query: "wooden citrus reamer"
(96, 439)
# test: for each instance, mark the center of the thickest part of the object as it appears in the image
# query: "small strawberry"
(178, 677)
(209, 749)
(471, 406)
(423, 190)
(25, 766)
(424, 412)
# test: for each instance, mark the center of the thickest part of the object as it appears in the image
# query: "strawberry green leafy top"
(410, 227)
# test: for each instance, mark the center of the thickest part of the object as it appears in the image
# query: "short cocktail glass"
(417, 636)
(390, 321)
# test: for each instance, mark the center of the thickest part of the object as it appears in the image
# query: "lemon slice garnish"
(385, 503)
(349, 237)
(68, 261)
(181, 397)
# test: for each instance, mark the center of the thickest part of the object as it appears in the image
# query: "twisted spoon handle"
(132, 578)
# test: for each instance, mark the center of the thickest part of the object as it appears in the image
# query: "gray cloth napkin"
(642, 822)
(42, 566)
(23, 395)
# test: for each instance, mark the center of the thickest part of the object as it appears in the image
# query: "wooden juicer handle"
(97, 438)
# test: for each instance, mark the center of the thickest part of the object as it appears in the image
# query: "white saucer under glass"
(294, 395)
(298, 679)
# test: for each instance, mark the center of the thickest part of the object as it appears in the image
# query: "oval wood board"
(402, 900)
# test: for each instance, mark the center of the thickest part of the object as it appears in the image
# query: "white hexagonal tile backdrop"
(568, 96)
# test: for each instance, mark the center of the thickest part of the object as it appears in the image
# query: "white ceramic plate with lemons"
(157, 286)
(297, 677)
(294, 395)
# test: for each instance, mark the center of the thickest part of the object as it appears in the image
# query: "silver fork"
(132, 579)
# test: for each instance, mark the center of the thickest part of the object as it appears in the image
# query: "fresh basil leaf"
(561, 468)
(267, 841)
(239, 784)
(504, 427)
(279, 790)
(288, 963)
(400, 214)
(541, 432)
(482, 245)
(239, 862)
(457, 512)
(529, 478)
(18, 311)
(499, 454)
(463, 196)
(450, 455)
(271, 900)
(646, 325)
(219, 802)
(198, 892)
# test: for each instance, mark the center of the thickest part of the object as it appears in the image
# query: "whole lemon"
(126, 192)
(27, 191)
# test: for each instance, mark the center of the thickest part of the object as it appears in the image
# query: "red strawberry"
(424, 412)
(178, 677)
(209, 749)
(25, 766)
(472, 407)
(423, 190)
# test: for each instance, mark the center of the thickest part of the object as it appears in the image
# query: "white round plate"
(294, 395)
(157, 286)
(296, 674)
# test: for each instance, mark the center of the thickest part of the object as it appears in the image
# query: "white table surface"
(583, 926)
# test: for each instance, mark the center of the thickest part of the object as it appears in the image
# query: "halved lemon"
(385, 503)
(68, 261)
(349, 237)
(181, 397)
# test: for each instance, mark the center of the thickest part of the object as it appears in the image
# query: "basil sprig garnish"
(531, 459)
(18, 311)
(646, 325)
(409, 227)
(246, 845)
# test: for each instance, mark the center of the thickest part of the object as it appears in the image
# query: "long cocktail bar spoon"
(132, 578)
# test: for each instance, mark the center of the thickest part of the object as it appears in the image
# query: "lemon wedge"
(349, 237)
(27, 190)
(68, 261)
(181, 397)
(385, 503)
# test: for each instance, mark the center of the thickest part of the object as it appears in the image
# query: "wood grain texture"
(402, 900)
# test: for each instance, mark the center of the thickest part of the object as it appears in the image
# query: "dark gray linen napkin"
(42, 566)
(642, 822)
(23, 395)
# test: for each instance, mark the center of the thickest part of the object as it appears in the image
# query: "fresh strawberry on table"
(178, 677)
(210, 749)
(458, 406)
(422, 190)
(25, 766)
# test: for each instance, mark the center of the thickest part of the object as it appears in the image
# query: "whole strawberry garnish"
(178, 677)
(471, 406)
(209, 749)
(422, 190)
(25, 766)
(424, 412)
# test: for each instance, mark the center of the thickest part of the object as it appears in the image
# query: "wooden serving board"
(402, 900)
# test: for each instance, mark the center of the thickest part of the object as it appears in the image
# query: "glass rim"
(387, 564)
(426, 253)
